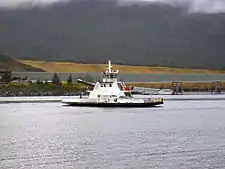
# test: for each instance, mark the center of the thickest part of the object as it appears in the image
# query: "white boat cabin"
(110, 86)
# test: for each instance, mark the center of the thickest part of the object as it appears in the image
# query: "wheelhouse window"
(112, 76)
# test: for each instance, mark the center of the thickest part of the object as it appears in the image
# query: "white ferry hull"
(86, 103)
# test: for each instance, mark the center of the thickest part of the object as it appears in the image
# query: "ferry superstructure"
(111, 92)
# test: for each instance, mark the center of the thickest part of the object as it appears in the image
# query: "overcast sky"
(208, 6)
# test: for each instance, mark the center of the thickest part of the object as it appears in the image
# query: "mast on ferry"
(110, 75)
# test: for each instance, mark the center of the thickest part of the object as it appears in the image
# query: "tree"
(6, 77)
(56, 79)
(70, 79)
(39, 81)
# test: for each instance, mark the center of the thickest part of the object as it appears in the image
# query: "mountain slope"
(8, 63)
(94, 31)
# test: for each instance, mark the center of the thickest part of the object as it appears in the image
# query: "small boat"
(110, 92)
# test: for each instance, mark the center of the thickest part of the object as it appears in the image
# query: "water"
(127, 77)
(179, 135)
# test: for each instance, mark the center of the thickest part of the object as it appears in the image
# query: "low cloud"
(19, 3)
(201, 6)
(207, 6)
(193, 6)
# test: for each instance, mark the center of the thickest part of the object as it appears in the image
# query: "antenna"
(110, 70)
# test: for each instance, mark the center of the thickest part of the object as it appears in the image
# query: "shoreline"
(33, 99)
(34, 90)
(26, 89)
(58, 99)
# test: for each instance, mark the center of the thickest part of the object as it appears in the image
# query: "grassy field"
(77, 67)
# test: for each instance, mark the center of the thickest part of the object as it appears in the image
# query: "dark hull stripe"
(114, 104)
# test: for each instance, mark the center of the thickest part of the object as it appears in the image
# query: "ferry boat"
(111, 92)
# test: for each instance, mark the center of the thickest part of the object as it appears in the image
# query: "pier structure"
(177, 88)
(216, 87)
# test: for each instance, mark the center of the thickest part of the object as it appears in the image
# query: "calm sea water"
(179, 135)
(127, 77)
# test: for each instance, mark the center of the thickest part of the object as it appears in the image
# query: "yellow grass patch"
(77, 67)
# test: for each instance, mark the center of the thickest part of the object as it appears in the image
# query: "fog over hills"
(170, 34)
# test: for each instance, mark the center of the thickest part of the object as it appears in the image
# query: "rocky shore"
(39, 90)
(30, 93)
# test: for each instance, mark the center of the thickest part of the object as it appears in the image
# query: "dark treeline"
(94, 31)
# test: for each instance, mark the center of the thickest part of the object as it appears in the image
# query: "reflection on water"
(181, 134)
